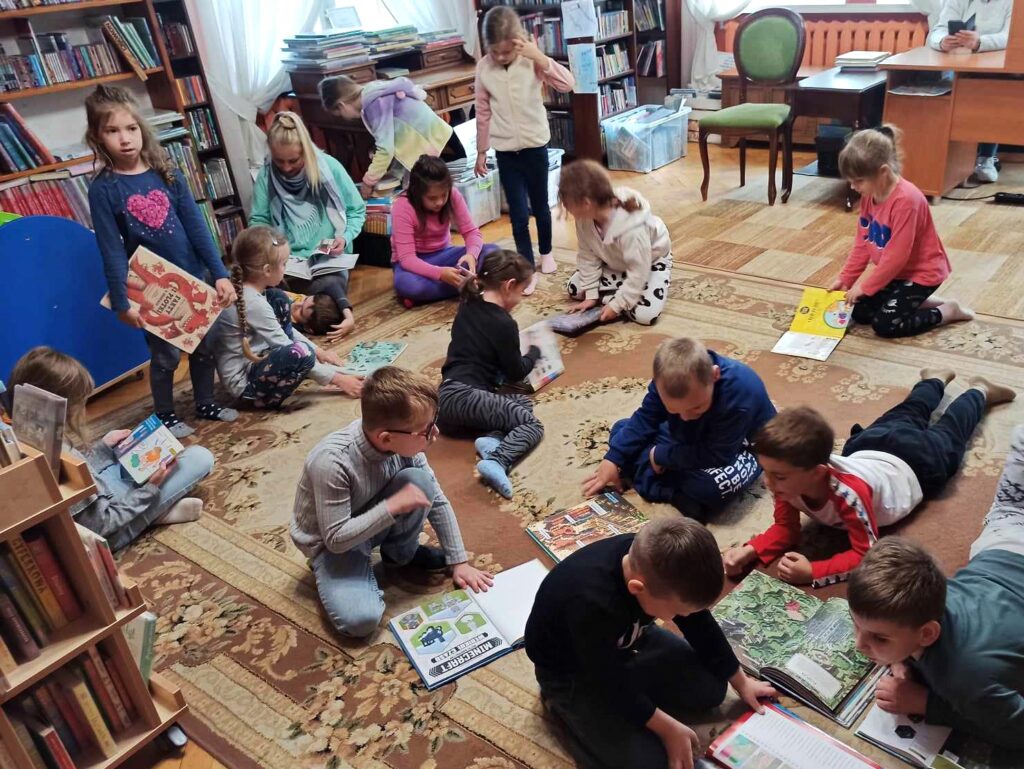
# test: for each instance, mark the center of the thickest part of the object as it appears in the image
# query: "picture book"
(38, 420)
(818, 326)
(801, 644)
(549, 365)
(573, 323)
(565, 532)
(149, 447)
(173, 305)
(319, 263)
(458, 631)
(367, 357)
(778, 739)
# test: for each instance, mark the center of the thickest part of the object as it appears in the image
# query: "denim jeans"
(164, 360)
(524, 177)
(987, 150)
(345, 581)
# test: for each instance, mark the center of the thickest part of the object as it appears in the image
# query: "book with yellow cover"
(819, 324)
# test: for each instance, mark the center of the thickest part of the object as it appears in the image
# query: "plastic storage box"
(554, 175)
(483, 196)
(645, 138)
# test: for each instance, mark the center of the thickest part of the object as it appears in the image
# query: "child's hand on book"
(839, 285)
(114, 437)
(157, 479)
(901, 695)
(465, 576)
(326, 356)
(130, 317)
(853, 295)
(607, 475)
(225, 292)
(736, 559)
(608, 314)
(583, 306)
(752, 691)
(795, 569)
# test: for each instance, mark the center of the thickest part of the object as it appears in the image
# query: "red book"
(50, 742)
(54, 575)
(27, 135)
(112, 573)
(15, 630)
(49, 709)
(103, 688)
(122, 692)
(67, 710)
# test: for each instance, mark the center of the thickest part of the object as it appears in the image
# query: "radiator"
(828, 39)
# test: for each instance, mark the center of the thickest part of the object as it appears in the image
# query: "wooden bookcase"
(160, 81)
(650, 89)
(30, 496)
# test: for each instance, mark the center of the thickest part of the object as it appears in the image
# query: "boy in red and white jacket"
(883, 473)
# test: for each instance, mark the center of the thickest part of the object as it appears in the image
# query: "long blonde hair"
(104, 102)
(288, 129)
(338, 89)
(60, 374)
(252, 251)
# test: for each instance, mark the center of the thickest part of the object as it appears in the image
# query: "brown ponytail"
(868, 150)
(494, 269)
(585, 179)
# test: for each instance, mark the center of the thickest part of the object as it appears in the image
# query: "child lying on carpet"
(687, 444)
(883, 473)
(321, 314)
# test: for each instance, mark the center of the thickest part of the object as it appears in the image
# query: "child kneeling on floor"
(957, 645)
(121, 510)
(369, 485)
(687, 444)
(618, 682)
(483, 355)
(883, 473)
(624, 260)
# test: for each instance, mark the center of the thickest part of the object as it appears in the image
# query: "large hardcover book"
(38, 420)
(549, 365)
(566, 531)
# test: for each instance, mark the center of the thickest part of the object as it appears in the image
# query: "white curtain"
(243, 40)
(430, 15)
(929, 7)
(707, 13)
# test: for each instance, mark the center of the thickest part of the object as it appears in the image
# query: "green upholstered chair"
(768, 49)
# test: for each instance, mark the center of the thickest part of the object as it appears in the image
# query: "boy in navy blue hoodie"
(687, 444)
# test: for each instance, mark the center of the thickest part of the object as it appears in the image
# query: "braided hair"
(252, 251)
(493, 270)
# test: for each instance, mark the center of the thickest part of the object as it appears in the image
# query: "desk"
(941, 133)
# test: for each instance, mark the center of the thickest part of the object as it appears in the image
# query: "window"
(373, 14)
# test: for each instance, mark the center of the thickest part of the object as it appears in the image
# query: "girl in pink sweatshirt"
(427, 266)
(896, 234)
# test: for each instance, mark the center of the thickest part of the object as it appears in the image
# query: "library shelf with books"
(40, 10)
(70, 660)
(658, 32)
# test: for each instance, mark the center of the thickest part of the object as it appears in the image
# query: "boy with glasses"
(369, 485)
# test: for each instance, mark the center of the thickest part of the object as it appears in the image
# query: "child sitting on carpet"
(369, 485)
(616, 680)
(687, 444)
(483, 355)
(956, 646)
(624, 261)
(427, 266)
(883, 473)
(895, 233)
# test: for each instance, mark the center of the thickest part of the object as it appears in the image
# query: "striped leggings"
(464, 408)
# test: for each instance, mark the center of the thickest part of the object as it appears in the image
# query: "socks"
(495, 476)
(548, 263)
(485, 445)
(178, 428)
(216, 413)
(185, 510)
(532, 286)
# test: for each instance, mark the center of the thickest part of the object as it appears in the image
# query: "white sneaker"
(985, 170)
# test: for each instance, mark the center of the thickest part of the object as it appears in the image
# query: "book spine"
(40, 548)
(91, 713)
(49, 708)
(16, 631)
(78, 728)
(29, 569)
(122, 46)
(7, 661)
(34, 756)
(122, 690)
(55, 748)
(92, 550)
(8, 577)
(148, 639)
(110, 567)
(102, 683)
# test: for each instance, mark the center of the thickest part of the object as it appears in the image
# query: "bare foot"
(945, 374)
(533, 285)
(952, 312)
(994, 393)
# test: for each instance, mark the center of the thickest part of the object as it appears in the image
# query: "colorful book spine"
(110, 567)
(49, 743)
(140, 634)
(16, 631)
(67, 710)
(33, 576)
(89, 711)
(96, 561)
(48, 707)
(103, 685)
(122, 690)
(53, 574)
(124, 49)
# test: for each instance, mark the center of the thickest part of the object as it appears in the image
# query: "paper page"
(579, 19)
(805, 345)
(780, 742)
(509, 602)
(819, 680)
(367, 357)
(549, 366)
(920, 741)
(583, 65)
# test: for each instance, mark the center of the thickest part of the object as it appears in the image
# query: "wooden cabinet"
(804, 129)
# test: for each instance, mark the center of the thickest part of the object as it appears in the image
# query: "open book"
(799, 643)
(38, 420)
(459, 631)
(565, 532)
(778, 739)
(572, 323)
(319, 263)
(549, 365)
(367, 357)
(150, 447)
(818, 326)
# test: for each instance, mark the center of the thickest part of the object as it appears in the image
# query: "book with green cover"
(566, 531)
(801, 644)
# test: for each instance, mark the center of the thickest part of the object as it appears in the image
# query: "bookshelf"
(167, 21)
(32, 499)
(658, 30)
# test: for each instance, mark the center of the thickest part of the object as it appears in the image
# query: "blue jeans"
(345, 581)
(987, 150)
(121, 525)
(524, 177)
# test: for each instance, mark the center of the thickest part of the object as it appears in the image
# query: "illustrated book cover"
(818, 326)
(367, 357)
(149, 447)
(566, 531)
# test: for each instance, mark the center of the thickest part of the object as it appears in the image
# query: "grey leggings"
(463, 408)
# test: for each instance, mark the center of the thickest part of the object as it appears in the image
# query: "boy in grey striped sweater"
(369, 485)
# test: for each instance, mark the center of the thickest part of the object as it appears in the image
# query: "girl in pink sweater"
(896, 234)
(427, 266)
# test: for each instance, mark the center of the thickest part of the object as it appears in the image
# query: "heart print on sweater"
(151, 209)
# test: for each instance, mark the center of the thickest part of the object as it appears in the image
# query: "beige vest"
(518, 118)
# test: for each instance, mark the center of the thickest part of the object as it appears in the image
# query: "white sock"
(548, 263)
(185, 510)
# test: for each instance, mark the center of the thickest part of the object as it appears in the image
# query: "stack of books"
(562, 130)
(132, 37)
(191, 89)
(102, 562)
(31, 69)
(178, 38)
(650, 62)
(546, 33)
(650, 15)
(52, 193)
(329, 52)
(612, 23)
(204, 130)
(218, 179)
(617, 96)
(20, 149)
(211, 222)
(391, 40)
(557, 98)
(442, 38)
(612, 59)
(862, 61)
(14, 5)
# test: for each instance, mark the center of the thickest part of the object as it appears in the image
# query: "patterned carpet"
(271, 686)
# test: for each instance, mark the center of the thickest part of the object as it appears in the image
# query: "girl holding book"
(137, 198)
(121, 509)
(262, 358)
(483, 355)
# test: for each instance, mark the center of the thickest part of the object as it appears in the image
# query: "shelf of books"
(76, 640)
(658, 30)
(98, 46)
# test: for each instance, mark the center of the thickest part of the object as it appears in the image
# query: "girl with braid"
(261, 357)
(483, 355)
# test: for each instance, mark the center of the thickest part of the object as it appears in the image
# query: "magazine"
(549, 365)
(319, 263)
(458, 631)
(572, 323)
(820, 321)
(173, 305)
(149, 447)
(38, 420)
(565, 532)
(800, 644)
(367, 357)
(778, 739)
